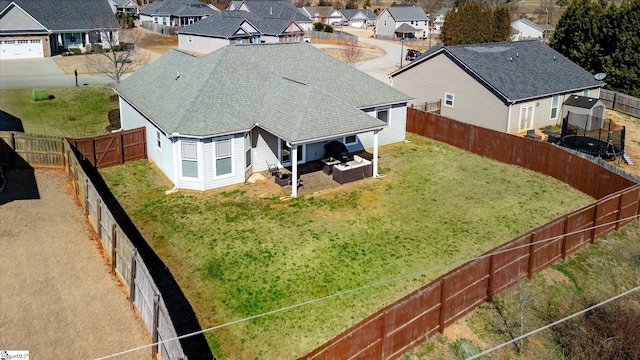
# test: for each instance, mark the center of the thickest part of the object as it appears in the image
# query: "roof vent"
(590, 99)
(511, 58)
(517, 55)
(576, 97)
(554, 58)
(177, 75)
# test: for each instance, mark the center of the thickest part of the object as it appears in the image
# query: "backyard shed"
(586, 112)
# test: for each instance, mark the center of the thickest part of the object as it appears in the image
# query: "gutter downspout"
(509, 117)
(175, 168)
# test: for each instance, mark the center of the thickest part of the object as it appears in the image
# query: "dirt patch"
(632, 143)
(461, 330)
(58, 296)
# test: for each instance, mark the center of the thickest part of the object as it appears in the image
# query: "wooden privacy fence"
(20, 149)
(126, 263)
(398, 327)
(113, 149)
(620, 102)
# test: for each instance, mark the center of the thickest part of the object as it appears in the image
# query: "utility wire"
(401, 277)
(553, 323)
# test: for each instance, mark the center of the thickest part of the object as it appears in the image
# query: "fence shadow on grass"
(180, 310)
(9, 122)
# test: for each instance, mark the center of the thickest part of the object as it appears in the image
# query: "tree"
(351, 53)
(602, 37)
(474, 24)
(115, 53)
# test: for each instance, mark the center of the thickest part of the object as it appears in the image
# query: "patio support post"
(375, 153)
(294, 171)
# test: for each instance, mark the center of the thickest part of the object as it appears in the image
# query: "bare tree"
(114, 51)
(351, 53)
(546, 11)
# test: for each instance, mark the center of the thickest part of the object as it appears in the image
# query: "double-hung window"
(189, 158)
(554, 107)
(350, 140)
(448, 100)
(158, 140)
(383, 114)
(223, 157)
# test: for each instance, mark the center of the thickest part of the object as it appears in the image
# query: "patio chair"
(273, 169)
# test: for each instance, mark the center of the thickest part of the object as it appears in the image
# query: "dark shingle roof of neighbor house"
(60, 15)
(226, 23)
(275, 9)
(407, 13)
(405, 28)
(516, 70)
(289, 89)
(349, 13)
(443, 11)
(583, 102)
(178, 8)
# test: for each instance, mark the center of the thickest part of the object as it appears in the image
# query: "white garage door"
(21, 49)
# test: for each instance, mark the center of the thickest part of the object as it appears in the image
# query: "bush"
(328, 28)
(318, 26)
(76, 51)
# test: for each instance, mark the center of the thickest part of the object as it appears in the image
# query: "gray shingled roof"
(405, 29)
(62, 15)
(407, 13)
(288, 89)
(583, 102)
(275, 9)
(443, 11)
(517, 70)
(349, 13)
(226, 23)
(177, 8)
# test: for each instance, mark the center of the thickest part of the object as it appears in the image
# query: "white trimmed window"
(383, 114)
(247, 149)
(158, 140)
(155, 19)
(448, 100)
(350, 140)
(223, 157)
(189, 157)
(554, 107)
(585, 92)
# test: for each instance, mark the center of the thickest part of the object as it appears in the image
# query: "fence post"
(132, 279)
(113, 248)
(619, 212)
(595, 223)
(615, 93)
(443, 299)
(490, 283)
(99, 216)
(531, 253)
(564, 238)
(154, 329)
(86, 196)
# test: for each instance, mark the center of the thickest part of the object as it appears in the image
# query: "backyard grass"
(236, 253)
(73, 111)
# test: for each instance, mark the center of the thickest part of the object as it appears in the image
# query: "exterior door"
(285, 153)
(526, 117)
(248, 156)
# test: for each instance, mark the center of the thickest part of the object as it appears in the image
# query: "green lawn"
(73, 111)
(237, 253)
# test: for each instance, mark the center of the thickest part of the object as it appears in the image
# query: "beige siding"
(473, 103)
(386, 25)
(16, 19)
(200, 44)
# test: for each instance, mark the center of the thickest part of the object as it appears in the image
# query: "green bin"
(40, 94)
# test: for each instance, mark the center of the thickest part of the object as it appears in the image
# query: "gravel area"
(57, 296)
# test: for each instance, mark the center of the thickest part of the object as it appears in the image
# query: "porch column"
(60, 43)
(294, 171)
(375, 153)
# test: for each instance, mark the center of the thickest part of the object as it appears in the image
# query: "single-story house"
(321, 14)
(43, 28)
(393, 17)
(509, 86)
(214, 120)
(586, 112)
(125, 7)
(236, 27)
(276, 9)
(176, 12)
(360, 18)
(527, 30)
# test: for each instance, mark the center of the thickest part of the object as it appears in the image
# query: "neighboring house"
(391, 18)
(214, 120)
(586, 112)
(236, 27)
(43, 28)
(276, 9)
(439, 20)
(321, 14)
(510, 86)
(527, 30)
(176, 12)
(125, 7)
(360, 18)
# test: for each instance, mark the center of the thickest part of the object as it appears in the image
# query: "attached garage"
(21, 49)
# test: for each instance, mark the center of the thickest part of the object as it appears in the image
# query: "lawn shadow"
(180, 310)
(9, 122)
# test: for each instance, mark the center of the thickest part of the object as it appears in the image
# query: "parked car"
(412, 54)
(340, 23)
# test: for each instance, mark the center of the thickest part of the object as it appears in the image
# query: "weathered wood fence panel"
(415, 317)
(620, 102)
(113, 149)
(20, 149)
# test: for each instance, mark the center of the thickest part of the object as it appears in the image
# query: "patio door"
(526, 117)
(285, 153)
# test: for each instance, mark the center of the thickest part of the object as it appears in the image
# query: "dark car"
(412, 54)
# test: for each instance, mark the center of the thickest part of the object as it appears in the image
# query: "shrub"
(328, 28)
(76, 51)
(318, 26)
